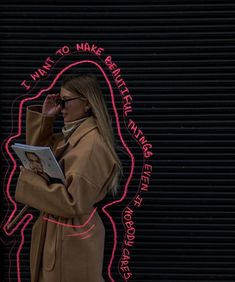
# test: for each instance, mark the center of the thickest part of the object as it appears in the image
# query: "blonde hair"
(86, 86)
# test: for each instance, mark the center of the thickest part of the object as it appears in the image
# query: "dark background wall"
(178, 60)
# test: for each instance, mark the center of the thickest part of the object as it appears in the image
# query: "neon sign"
(136, 133)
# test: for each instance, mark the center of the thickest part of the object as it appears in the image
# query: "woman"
(67, 241)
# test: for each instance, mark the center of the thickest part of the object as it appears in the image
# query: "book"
(40, 160)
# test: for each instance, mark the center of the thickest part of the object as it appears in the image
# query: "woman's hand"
(43, 175)
(22, 168)
(50, 108)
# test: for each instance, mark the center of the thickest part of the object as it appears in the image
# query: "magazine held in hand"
(40, 160)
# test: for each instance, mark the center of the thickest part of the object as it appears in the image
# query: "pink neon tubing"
(30, 217)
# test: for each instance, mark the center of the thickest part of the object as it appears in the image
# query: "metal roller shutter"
(178, 61)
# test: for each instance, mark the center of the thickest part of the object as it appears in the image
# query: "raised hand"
(50, 108)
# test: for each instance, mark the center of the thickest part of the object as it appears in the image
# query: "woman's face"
(75, 109)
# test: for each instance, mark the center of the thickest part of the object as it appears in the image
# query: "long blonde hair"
(86, 86)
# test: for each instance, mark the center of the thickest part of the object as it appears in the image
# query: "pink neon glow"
(14, 165)
(82, 233)
(71, 225)
(10, 262)
(7, 139)
(131, 200)
(88, 236)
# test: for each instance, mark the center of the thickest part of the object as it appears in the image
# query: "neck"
(75, 121)
(70, 126)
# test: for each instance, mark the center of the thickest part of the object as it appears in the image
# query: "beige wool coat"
(59, 252)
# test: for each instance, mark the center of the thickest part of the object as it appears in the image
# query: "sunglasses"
(62, 102)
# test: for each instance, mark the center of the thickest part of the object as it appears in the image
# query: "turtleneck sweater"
(70, 126)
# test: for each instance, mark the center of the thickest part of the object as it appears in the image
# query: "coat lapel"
(88, 125)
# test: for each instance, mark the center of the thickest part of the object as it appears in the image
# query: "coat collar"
(85, 127)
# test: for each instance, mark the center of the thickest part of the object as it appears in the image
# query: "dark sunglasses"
(62, 102)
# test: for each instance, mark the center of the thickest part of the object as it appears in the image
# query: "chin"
(65, 118)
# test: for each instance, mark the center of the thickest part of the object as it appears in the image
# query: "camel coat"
(59, 252)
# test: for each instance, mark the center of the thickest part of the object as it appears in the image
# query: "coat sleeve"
(39, 128)
(77, 197)
(86, 172)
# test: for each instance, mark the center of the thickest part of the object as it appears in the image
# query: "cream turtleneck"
(70, 126)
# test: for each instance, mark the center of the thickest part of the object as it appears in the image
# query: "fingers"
(52, 97)
(22, 168)
(50, 105)
(58, 109)
(57, 96)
